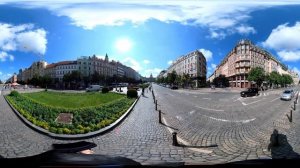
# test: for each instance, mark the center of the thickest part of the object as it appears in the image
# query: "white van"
(94, 88)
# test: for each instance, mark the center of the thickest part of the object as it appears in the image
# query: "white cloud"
(285, 41)
(146, 61)
(21, 38)
(207, 54)
(245, 30)
(213, 66)
(4, 56)
(220, 17)
(4, 76)
(154, 72)
(289, 55)
(32, 41)
(131, 62)
(170, 62)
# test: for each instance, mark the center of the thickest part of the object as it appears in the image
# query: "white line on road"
(185, 142)
(236, 121)
(179, 118)
(274, 99)
(237, 99)
(208, 108)
(245, 104)
(192, 112)
(171, 94)
(195, 96)
(206, 98)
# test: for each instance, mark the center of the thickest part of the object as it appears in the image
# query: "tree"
(286, 79)
(221, 81)
(274, 78)
(45, 81)
(171, 77)
(96, 77)
(186, 79)
(257, 75)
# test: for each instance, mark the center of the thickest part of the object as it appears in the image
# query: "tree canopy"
(257, 75)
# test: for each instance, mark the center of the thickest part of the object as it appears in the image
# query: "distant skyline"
(145, 35)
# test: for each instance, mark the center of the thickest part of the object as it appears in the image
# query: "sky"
(145, 35)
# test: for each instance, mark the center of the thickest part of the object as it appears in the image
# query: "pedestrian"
(143, 89)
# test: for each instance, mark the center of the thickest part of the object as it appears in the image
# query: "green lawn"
(73, 100)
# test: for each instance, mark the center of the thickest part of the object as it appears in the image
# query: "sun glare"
(123, 45)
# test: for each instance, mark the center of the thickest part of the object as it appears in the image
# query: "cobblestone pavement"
(240, 127)
(140, 137)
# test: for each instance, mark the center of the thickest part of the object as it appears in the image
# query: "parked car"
(94, 88)
(249, 92)
(174, 87)
(287, 95)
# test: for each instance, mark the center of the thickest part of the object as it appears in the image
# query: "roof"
(61, 63)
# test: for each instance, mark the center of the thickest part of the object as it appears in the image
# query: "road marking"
(245, 104)
(171, 94)
(206, 98)
(195, 96)
(239, 99)
(179, 118)
(185, 142)
(236, 121)
(208, 108)
(192, 112)
(274, 99)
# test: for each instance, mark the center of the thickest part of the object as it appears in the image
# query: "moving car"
(287, 95)
(94, 88)
(249, 92)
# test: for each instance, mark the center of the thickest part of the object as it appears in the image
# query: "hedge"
(84, 119)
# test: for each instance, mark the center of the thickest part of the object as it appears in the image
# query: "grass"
(91, 111)
(73, 100)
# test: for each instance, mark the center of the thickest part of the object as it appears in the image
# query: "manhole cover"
(64, 118)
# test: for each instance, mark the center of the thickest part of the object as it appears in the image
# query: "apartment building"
(244, 56)
(193, 64)
(58, 70)
(36, 69)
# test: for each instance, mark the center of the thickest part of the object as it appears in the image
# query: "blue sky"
(146, 35)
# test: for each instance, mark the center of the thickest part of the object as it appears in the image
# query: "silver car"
(287, 95)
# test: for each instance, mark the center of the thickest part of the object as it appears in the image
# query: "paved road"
(141, 138)
(241, 127)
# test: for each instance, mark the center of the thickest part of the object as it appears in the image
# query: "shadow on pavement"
(169, 126)
(280, 147)
(144, 96)
(191, 146)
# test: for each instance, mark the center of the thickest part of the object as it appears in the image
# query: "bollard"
(291, 116)
(276, 138)
(159, 116)
(175, 142)
(156, 105)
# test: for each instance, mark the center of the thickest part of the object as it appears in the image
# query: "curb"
(77, 136)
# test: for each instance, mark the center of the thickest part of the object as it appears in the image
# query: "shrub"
(132, 93)
(14, 93)
(105, 90)
(84, 119)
